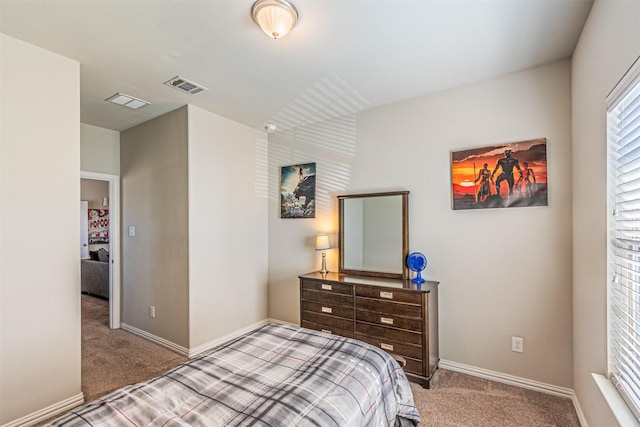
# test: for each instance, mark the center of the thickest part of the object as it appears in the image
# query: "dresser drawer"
(327, 329)
(336, 288)
(415, 366)
(327, 298)
(392, 334)
(385, 307)
(326, 320)
(406, 350)
(408, 364)
(329, 309)
(386, 319)
(389, 294)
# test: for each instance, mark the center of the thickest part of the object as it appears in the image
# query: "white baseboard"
(507, 379)
(183, 351)
(581, 417)
(221, 340)
(233, 335)
(48, 412)
(282, 322)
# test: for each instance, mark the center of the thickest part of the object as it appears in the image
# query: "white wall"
(99, 150)
(609, 45)
(227, 226)
(155, 262)
(93, 191)
(503, 272)
(194, 186)
(39, 195)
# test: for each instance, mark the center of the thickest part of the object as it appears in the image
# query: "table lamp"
(322, 244)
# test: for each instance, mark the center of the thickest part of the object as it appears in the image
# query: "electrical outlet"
(517, 344)
(152, 311)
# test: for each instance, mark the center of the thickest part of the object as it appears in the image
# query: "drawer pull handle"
(327, 310)
(387, 347)
(326, 331)
(386, 320)
(388, 295)
(326, 287)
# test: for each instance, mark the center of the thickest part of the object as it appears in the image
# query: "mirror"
(373, 234)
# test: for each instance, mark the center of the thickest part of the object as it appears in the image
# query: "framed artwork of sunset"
(500, 176)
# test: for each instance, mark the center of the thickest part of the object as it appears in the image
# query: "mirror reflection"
(373, 235)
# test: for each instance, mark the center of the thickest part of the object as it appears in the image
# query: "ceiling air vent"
(185, 85)
(127, 101)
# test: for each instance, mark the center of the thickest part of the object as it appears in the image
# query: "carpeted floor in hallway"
(114, 358)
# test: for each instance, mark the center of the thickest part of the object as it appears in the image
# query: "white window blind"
(623, 135)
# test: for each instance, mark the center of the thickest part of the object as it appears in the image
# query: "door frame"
(84, 226)
(114, 244)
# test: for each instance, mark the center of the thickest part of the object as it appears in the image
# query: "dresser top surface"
(373, 281)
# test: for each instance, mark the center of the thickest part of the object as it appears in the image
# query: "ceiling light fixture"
(275, 17)
(127, 101)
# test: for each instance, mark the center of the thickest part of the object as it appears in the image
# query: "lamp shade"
(275, 17)
(322, 242)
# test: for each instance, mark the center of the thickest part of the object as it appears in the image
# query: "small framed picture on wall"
(298, 191)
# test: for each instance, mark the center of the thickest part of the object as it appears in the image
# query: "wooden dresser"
(392, 314)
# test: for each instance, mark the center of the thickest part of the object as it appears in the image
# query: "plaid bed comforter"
(277, 375)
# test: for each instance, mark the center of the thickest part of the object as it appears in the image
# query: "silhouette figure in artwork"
(307, 188)
(484, 176)
(526, 177)
(507, 163)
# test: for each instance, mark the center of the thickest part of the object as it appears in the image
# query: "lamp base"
(324, 263)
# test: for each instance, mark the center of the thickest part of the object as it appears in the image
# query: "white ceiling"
(342, 57)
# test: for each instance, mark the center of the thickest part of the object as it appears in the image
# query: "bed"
(275, 375)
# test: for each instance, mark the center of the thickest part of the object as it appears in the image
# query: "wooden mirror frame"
(405, 235)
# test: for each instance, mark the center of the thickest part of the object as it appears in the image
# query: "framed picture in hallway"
(298, 191)
(98, 226)
(500, 176)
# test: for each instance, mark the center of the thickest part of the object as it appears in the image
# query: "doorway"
(114, 243)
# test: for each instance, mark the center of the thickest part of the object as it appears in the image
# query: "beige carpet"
(114, 358)
(458, 400)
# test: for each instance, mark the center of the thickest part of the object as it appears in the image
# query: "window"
(623, 135)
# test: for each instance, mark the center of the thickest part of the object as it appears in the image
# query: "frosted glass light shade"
(275, 17)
